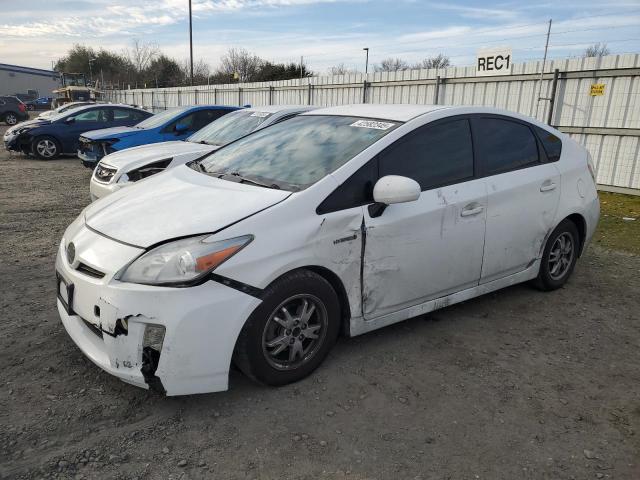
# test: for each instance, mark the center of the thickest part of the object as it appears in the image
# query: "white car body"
(442, 246)
(111, 173)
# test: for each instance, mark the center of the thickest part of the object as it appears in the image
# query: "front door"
(432, 247)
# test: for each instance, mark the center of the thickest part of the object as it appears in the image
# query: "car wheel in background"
(10, 118)
(31, 107)
(559, 257)
(45, 147)
(290, 333)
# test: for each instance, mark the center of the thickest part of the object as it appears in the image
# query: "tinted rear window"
(505, 145)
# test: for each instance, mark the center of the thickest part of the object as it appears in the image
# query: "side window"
(120, 114)
(552, 144)
(433, 155)
(184, 120)
(504, 145)
(357, 190)
(205, 117)
(95, 115)
(139, 116)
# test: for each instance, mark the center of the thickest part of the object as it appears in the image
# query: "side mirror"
(181, 127)
(70, 120)
(393, 189)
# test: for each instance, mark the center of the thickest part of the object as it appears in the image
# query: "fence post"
(179, 98)
(436, 95)
(309, 94)
(195, 95)
(239, 96)
(215, 96)
(365, 84)
(552, 99)
(152, 95)
(271, 89)
(164, 94)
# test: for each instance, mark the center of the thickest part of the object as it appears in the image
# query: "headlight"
(183, 262)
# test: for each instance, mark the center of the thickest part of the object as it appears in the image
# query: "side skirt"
(359, 325)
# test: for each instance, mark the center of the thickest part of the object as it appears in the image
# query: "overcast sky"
(326, 32)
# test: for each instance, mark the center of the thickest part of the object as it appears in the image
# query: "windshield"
(160, 118)
(297, 153)
(230, 127)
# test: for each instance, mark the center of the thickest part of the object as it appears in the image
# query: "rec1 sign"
(495, 61)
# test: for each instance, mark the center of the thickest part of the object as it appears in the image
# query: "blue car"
(47, 139)
(173, 124)
(40, 103)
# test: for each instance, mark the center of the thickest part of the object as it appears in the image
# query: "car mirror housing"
(396, 189)
(69, 120)
(181, 127)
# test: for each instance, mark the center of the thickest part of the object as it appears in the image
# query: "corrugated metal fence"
(608, 125)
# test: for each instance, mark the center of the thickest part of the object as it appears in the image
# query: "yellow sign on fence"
(597, 89)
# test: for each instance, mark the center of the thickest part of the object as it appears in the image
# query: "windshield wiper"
(253, 182)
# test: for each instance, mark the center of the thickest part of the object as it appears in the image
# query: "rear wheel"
(559, 257)
(10, 118)
(290, 333)
(45, 147)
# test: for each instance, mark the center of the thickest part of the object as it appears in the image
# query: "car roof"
(281, 108)
(397, 112)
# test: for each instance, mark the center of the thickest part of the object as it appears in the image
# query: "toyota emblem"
(71, 252)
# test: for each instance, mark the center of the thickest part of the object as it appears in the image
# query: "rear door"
(523, 194)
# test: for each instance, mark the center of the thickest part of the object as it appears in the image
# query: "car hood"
(113, 132)
(28, 124)
(136, 157)
(177, 203)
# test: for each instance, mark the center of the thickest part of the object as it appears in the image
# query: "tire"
(258, 352)
(559, 257)
(45, 147)
(10, 118)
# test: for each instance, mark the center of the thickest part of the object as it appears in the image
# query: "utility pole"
(190, 44)
(544, 61)
(366, 62)
(301, 64)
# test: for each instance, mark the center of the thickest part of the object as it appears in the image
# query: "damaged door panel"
(424, 249)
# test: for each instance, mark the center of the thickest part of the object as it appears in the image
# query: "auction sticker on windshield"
(260, 114)
(372, 124)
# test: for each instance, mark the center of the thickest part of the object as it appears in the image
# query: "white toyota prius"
(340, 220)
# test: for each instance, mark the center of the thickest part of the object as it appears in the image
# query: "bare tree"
(341, 69)
(439, 61)
(142, 54)
(597, 50)
(201, 72)
(240, 62)
(392, 65)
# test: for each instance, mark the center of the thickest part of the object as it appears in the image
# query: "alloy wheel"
(46, 148)
(294, 332)
(561, 256)
(11, 119)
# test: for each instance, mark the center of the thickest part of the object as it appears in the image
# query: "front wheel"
(45, 147)
(559, 257)
(291, 332)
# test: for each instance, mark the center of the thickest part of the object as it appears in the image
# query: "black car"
(12, 110)
(58, 135)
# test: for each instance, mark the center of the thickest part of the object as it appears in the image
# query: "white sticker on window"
(372, 124)
(260, 114)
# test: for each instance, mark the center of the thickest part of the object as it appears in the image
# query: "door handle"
(547, 186)
(471, 210)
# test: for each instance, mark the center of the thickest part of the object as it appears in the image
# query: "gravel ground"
(516, 384)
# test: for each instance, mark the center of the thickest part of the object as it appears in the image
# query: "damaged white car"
(343, 219)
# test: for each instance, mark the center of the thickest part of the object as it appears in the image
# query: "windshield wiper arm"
(254, 182)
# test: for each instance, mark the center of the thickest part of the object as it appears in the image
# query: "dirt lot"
(515, 385)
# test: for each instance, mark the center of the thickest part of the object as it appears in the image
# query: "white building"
(16, 79)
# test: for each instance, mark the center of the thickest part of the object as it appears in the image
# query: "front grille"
(104, 173)
(87, 270)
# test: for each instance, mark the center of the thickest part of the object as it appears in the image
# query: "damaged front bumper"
(174, 340)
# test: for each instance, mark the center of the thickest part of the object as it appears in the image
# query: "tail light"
(22, 107)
